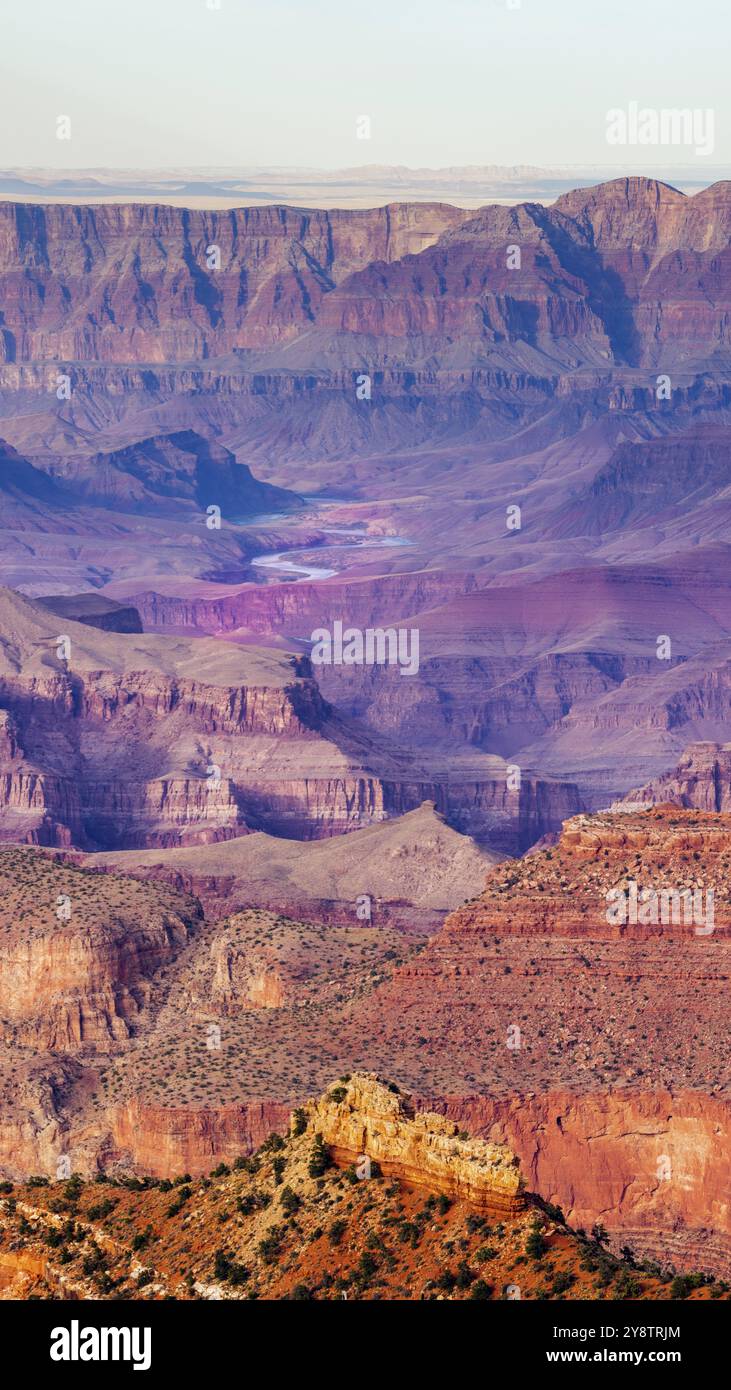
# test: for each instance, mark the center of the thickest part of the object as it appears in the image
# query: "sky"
(151, 84)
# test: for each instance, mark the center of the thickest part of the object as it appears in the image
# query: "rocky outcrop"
(628, 874)
(362, 1115)
(702, 779)
(247, 981)
(19, 1270)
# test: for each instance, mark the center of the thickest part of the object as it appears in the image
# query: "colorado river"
(359, 540)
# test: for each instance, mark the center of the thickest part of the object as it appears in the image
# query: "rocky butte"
(424, 1212)
(366, 1117)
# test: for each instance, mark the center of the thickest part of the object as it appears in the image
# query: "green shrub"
(289, 1201)
(535, 1245)
(100, 1210)
(337, 1231)
(299, 1122)
(368, 1265)
(626, 1286)
(272, 1144)
(683, 1284)
(247, 1165)
(271, 1245)
(319, 1158)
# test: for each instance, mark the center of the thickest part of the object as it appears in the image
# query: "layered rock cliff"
(79, 952)
(701, 779)
(161, 284)
(606, 876)
(166, 303)
(126, 741)
(648, 1164)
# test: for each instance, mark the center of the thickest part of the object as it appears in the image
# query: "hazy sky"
(173, 82)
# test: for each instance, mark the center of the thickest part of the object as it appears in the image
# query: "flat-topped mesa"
(367, 1116)
(652, 871)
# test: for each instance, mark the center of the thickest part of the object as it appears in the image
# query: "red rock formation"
(567, 890)
(78, 952)
(168, 1140)
(649, 1165)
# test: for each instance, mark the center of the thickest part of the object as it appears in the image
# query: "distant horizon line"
(516, 169)
(358, 188)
